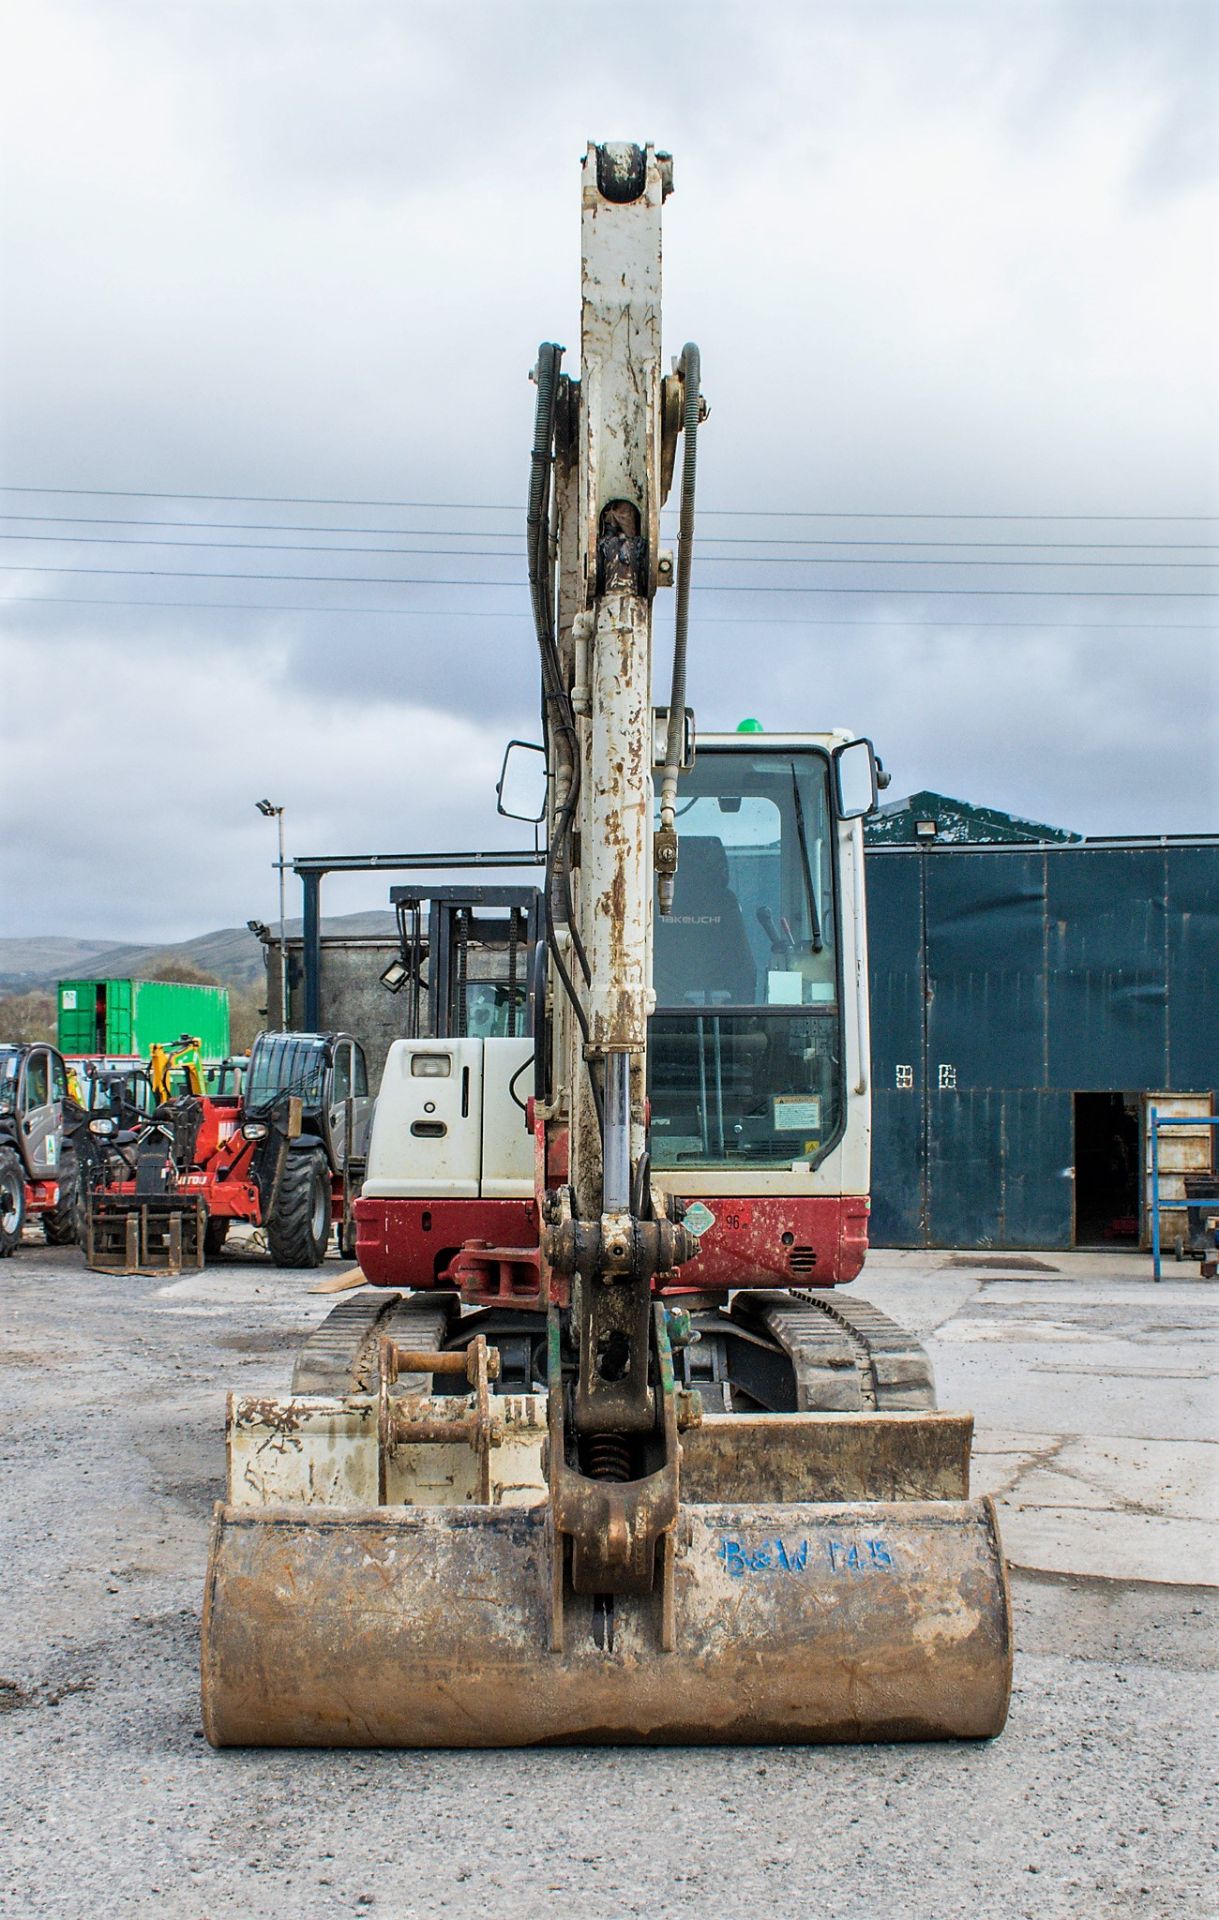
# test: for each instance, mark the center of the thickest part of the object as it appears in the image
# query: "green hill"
(232, 954)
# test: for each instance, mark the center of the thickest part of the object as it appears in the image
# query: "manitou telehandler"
(608, 1471)
(286, 1153)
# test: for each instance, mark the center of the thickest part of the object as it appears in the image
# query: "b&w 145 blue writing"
(782, 1556)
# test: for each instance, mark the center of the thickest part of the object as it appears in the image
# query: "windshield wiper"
(814, 917)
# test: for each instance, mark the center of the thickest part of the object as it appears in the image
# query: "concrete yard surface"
(1094, 1396)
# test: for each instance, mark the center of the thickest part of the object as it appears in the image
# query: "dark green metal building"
(1028, 999)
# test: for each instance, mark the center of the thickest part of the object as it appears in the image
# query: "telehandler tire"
(12, 1201)
(60, 1223)
(215, 1233)
(298, 1231)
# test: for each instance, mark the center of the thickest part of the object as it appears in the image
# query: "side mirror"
(520, 791)
(855, 782)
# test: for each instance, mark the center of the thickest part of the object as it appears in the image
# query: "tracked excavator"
(603, 1455)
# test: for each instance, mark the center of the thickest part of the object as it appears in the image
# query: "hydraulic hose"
(558, 714)
(689, 369)
(536, 524)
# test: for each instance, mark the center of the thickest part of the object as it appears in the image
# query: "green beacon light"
(750, 726)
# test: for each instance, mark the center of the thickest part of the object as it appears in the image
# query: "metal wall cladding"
(1191, 937)
(1004, 980)
(899, 1078)
(984, 948)
(1106, 979)
(162, 1010)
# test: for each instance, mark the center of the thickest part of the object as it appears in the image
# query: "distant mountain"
(233, 954)
(27, 965)
(32, 958)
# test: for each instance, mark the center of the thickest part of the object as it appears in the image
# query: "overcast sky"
(943, 260)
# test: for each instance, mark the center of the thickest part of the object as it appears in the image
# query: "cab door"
(338, 1114)
(361, 1104)
(40, 1106)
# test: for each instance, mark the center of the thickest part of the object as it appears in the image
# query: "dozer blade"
(442, 1625)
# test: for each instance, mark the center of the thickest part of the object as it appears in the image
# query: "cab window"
(746, 1050)
(341, 1080)
(37, 1091)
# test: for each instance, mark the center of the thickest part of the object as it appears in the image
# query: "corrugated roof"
(950, 822)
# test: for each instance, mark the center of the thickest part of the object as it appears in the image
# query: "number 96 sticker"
(801, 1556)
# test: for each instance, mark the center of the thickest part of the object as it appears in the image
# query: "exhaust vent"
(802, 1259)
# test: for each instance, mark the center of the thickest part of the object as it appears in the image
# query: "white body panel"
(507, 1144)
(455, 1134)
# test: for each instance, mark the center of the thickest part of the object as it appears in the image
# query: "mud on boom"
(600, 1472)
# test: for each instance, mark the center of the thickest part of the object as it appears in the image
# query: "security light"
(396, 975)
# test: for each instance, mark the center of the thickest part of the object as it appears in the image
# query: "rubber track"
(901, 1368)
(848, 1356)
(340, 1355)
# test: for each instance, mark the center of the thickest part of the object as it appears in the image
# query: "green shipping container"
(130, 1016)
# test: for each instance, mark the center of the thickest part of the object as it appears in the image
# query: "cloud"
(146, 798)
(943, 259)
(1078, 730)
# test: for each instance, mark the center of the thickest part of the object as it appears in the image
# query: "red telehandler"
(286, 1152)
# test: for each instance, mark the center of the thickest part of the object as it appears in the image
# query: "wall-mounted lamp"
(396, 975)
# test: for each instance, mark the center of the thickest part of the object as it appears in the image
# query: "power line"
(493, 553)
(712, 619)
(487, 533)
(485, 506)
(406, 580)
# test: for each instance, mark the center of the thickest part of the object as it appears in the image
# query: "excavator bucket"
(389, 1581)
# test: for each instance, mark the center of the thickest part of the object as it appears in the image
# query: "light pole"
(277, 814)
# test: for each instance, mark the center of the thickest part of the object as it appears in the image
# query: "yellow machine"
(163, 1062)
(623, 1460)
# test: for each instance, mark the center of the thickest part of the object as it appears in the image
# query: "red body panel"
(41, 1195)
(230, 1199)
(220, 1172)
(410, 1243)
(808, 1240)
(774, 1242)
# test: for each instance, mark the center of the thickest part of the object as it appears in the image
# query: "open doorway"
(1106, 1169)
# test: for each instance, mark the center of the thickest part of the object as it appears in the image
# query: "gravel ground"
(1096, 1801)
